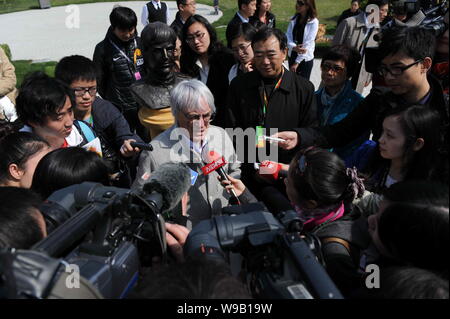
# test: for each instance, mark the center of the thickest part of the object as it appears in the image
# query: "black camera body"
(108, 234)
(278, 262)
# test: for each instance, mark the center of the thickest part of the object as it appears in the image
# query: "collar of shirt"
(244, 20)
(74, 139)
(156, 4)
(204, 71)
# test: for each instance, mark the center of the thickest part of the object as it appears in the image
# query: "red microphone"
(215, 162)
(270, 170)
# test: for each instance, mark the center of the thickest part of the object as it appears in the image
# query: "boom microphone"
(215, 162)
(170, 181)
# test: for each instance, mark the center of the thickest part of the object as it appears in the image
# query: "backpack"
(86, 131)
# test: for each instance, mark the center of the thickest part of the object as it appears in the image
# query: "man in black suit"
(186, 9)
(246, 9)
(153, 11)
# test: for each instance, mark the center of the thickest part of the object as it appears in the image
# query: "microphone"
(215, 162)
(271, 170)
(171, 181)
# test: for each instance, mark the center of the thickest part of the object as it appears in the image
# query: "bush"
(7, 50)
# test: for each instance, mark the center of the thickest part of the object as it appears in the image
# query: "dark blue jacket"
(110, 124)
(344, 104)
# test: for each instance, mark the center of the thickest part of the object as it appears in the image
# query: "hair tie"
(302, 164)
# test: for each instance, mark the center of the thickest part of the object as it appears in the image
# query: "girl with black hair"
(301, 34)
(205, 58)
(68, 166)
(263, 14)
(241, 36)
(407, 149)
(20, 154)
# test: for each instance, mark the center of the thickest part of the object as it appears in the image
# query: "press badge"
(138, 59)
(194, 176)
(259, 137)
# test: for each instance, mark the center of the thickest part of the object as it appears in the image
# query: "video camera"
(431, 19)
(105, 233)
(278, 262)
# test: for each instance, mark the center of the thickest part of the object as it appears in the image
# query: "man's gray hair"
(185, 97)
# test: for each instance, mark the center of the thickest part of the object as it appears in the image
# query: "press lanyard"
(265, 99)
(259, 129)
(136, 52)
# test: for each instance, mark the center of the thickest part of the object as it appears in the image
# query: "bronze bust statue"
(152, 93)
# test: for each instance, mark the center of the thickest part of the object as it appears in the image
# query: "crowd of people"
(366, 174)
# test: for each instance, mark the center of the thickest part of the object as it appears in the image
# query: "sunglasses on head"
(300, 3)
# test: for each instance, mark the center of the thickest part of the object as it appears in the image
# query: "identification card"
(259, 137)
(137, 76)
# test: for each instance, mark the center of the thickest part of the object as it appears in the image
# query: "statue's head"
(158, 44)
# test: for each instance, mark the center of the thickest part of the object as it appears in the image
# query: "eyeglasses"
(241, 48)
(300, 3)
(396, 70)
(191, 38)
(208, 117)
(336, 68)
(82, 91)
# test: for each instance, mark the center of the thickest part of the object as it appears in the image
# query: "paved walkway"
(43, 35)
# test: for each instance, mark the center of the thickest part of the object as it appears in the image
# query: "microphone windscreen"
(171, 180)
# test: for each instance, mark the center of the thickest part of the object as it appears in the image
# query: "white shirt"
(244, 20)
(195, 147)
(389, 181)
(309, 39)
(204, 71)
(144, 14)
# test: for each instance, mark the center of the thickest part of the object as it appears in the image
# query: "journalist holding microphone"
(192, 140)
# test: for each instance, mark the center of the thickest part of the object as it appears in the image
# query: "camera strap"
(341, 241)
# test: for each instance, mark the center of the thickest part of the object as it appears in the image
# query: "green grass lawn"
(328, 10)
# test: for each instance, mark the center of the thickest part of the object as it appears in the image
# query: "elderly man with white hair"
(190, 141)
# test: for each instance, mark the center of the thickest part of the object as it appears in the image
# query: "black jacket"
(220, 64)
(369, 115)
(270, 17)
(177, 24)
(110, 124)
(219, 67)
(115, 72)
(292, 105)
(235, 21)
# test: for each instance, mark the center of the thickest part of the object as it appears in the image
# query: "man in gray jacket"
(358, 33)
(190, 141)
